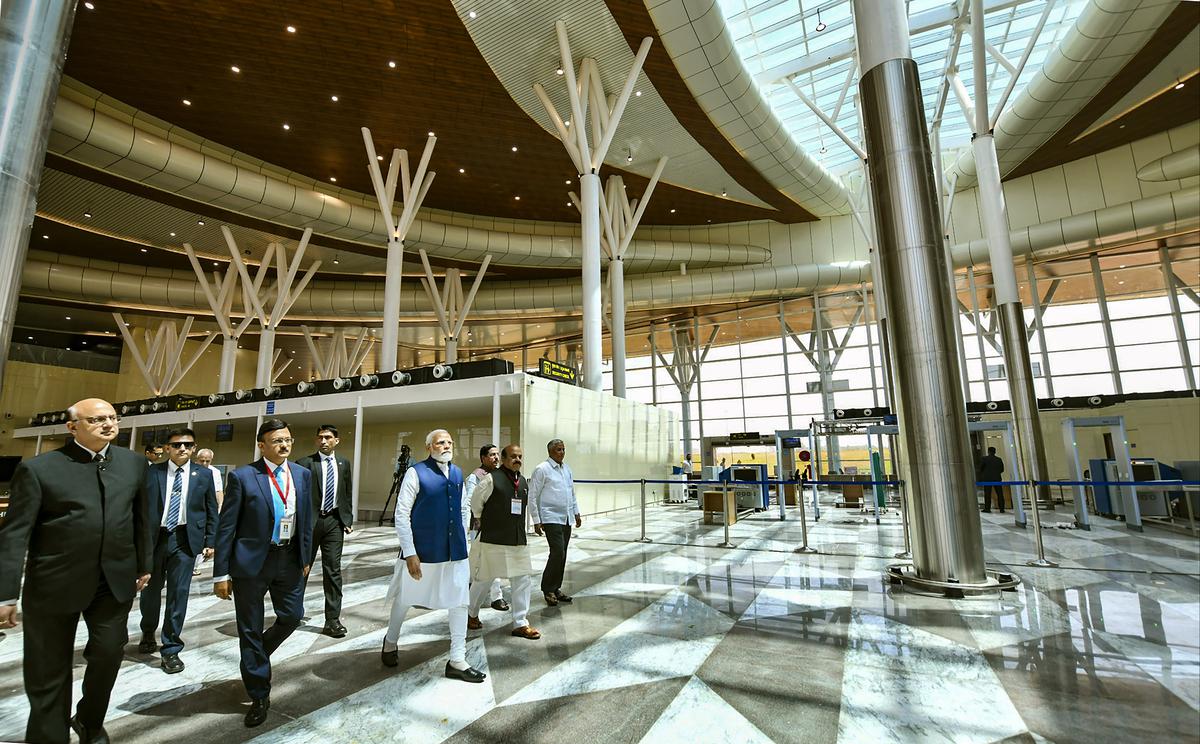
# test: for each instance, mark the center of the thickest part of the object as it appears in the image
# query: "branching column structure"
(220, 296)
(590, 106)
(336, 359)
(279, 297)
(413, 191)
(449, 304)
(620, 218)
(684, 369)
(161, 363)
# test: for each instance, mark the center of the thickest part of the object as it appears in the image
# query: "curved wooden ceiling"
(153, 54)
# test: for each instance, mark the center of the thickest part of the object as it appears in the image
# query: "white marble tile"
(1013, 618)
(697, 714)
(1176, 667)
(655, 575)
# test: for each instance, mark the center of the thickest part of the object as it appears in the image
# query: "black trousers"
(329, 537)
(557, 536)
(50, 652)
(173, 566)
(283, 579)
(987, 499)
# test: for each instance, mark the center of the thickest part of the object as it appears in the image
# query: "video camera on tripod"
(403, 462)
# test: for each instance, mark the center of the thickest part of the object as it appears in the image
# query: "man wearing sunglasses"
(182, 506)
(78, 511)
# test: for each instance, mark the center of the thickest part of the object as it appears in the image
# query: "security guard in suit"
(333, 519)
(77, 521)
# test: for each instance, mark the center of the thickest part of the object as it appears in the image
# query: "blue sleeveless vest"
(437, 524)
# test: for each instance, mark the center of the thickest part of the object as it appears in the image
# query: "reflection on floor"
(677, 640)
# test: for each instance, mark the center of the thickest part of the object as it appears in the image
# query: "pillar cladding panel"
(947, 539)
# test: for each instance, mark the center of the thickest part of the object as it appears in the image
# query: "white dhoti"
(493, 562)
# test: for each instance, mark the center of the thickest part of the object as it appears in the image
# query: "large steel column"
(589, 201)
(616, 272)
(1027, 425)
(33, 47)
(229, 349)
(947, 539)
(391, 305)
(1185, 355)
(266, 358)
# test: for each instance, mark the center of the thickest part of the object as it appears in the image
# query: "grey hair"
(551, 443)
(429, 436)
(200, 453)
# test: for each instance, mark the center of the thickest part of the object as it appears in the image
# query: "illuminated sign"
(556, 371)
(186, 402)
(744, 436)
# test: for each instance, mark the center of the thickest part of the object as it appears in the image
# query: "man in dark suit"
(264, 544)
(182, 514)
(991, 468)
(78, 511)
(333, 520)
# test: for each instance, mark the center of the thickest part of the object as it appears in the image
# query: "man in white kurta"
(499, 502)
(432, 519)
(489, 460)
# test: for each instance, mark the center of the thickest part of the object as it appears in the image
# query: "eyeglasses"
(280, 442)
(181, 445)
(98, 420)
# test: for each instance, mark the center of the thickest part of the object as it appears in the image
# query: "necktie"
(176, 499)
(327, 504)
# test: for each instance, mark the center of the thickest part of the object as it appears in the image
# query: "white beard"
(444, 457)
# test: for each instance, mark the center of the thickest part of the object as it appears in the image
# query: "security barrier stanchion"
(804, 548)
(1040, 561)
(643, 538)
(725, 515)
(907, 554)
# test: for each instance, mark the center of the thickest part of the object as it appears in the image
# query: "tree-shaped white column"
(413, 191)
(161, 363)
(449, 304)
(337, 360)
(220, 296)
(590, 109)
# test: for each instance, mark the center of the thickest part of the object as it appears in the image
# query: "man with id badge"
(264, 545)
(499, 503)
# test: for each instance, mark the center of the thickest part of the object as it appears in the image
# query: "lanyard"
(282, 493)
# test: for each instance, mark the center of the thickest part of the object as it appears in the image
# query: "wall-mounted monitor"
(224, 433)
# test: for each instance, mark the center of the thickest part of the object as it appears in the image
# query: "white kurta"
(442, 585)
(489, 560)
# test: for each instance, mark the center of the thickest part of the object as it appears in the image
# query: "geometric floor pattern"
(678, 640)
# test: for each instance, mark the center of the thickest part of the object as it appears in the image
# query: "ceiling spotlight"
(392, 64)
(379, 157)
(637, 93)
(1178, 86)
(518, 198)
(45, 237)
(429, 134)
(172, 235)
(186, 102)
(462, 170)
(333, 98)
(68, 317)
(471, 15)
(143, 250)
(200, 223)
(514, 148)
(567, 123)
(87, 215)
(558, 71)
(333, 179)
(336, 261)
(216, 264)
(823, 150)
(89, 6)
(291, 29)
(672, 210)
(724, 192)
(235, 68)
(568, 182)
(287, 127)
(820, 24)
(569, 204)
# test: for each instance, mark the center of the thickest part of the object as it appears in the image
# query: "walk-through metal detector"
(1115, 425)
(1010, 456)
(787, 440)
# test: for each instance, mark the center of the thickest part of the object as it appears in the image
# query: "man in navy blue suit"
(182, 506)
(264, 544)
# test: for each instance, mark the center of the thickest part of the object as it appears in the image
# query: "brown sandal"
(526, 632)
(473, 623)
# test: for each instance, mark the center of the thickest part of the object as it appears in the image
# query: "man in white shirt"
(552, 503)
(489, 460)
(432, 519)
(204, 459)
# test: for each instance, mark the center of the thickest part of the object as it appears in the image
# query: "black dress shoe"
(88, 737)
(334, 629)
(172, 664)
(390, 658)
(470, 674)
(147, 646)
(500, 605)
(258, 712)
(563, 598)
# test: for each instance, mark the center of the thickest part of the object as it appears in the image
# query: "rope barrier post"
(1040, 561)
(1187, 502)
(804, 548)
(907, 554)
(643, 538)
(725, 515)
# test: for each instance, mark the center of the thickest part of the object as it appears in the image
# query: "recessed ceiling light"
(88, 215)
(333, 179)
(430, 134)
(30, 337)
(143, 250)
(391, 64)
(172, 235)
(1121, 266)
(637, 93)
(235, 68)
(216, 264)
(186, 102)
(68, 317)
(514, 148)
(379, 157)
(1178, 86)
(724, 192)
(672, 210)
(333, 98)
(558, 71)
(45, 237)
(518, 198)
(462, 170)
(1120, 282)
(471, 15)
(83, 342)
(569, 204)
(335, 261)
(200, 222)
(568, 182)
(287, 127)
(567, 122)
(291, 29)
(89, 6)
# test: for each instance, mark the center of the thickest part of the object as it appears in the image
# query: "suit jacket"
(248, 519)
(991, 468)
(201, 507)
(79, 521)
(343, 504)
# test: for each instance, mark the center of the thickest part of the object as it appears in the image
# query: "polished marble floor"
(679, 640)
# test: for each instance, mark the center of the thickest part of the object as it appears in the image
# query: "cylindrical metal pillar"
(451, 350)
(391, 304)
(266, 358)
(616, 269)
(589, 202)
(358, 452)
(947, 538)
(225, 379)
(33, 46)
